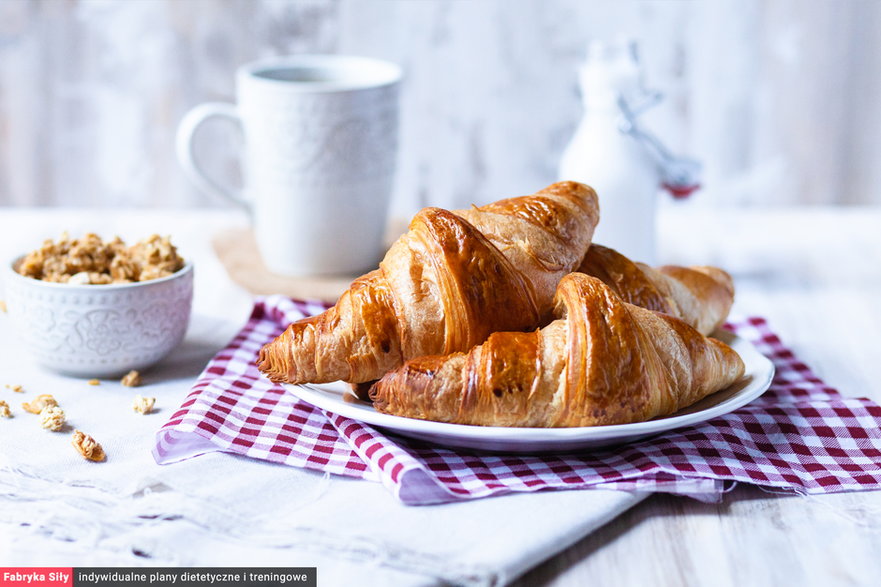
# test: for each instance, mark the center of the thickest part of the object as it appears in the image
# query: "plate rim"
(763, 370)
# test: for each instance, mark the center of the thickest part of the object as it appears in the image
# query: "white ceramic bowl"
(99, 330)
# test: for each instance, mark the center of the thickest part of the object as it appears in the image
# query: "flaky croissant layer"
(452, 280)
(604, 361)
(702, 296)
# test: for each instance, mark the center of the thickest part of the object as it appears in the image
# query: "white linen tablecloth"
(217, 509)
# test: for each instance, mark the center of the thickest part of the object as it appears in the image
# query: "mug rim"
(387, 72)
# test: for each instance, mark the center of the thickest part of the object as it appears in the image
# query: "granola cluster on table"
(91, 260)
(54, 419)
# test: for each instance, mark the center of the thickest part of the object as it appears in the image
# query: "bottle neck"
(601, 102)
(605, 78)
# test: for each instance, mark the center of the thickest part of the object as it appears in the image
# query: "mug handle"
(186, 157)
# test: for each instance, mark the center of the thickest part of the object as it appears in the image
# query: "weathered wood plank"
(816, 280)
(779, 101)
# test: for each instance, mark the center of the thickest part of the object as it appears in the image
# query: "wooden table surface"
(816, 275)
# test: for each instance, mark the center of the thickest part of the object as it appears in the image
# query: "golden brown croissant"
(603, 362)
(699, 295)
(448, 283)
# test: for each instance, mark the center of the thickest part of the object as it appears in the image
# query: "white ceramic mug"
(321, 135)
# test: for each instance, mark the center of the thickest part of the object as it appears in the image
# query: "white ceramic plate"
(336, 397)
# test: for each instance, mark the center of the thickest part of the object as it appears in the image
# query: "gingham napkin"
(801, 436)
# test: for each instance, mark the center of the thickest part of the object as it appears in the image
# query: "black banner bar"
(194, 577)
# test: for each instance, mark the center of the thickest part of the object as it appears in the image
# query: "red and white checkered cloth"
(801, 436)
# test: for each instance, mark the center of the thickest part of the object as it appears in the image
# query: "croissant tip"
(378, 392)
(267, 365)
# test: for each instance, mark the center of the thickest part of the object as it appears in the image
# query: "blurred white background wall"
(780, 99)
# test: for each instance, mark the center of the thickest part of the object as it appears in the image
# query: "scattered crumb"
(143, 405)
(52, 418)
(16, 388)
(2, 306)
(94, 382)
(39, 402)
(87, 446)
(5, 412)
(131, 379)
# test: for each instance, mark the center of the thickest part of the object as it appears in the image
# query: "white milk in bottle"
(606, 156)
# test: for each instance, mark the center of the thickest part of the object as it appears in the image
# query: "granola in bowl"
(91, 260)
(98, 309)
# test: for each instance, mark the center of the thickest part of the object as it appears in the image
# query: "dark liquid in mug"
(301, 74)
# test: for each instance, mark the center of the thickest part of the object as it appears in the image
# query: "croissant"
(701, 296)
(604, 361)
(448, 283)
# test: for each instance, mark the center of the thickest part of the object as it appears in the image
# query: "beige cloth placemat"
(237, 250)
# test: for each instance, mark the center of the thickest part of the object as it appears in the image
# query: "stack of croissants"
(507, 315)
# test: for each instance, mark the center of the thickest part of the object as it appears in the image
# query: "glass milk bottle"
(625, 165)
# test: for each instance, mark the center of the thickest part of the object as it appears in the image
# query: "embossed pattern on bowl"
(99, 330)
